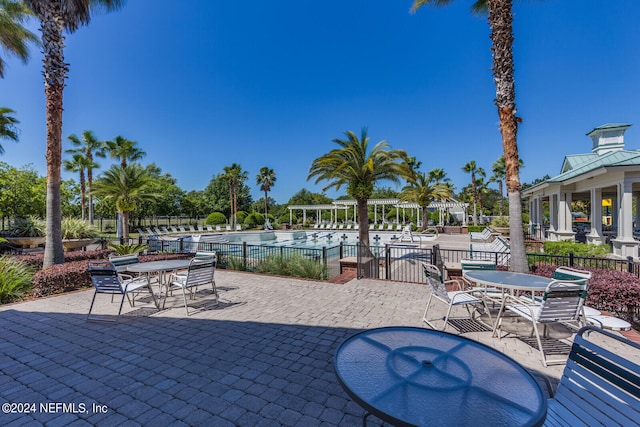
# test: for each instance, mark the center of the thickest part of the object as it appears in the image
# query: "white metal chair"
(467, 265)
(201, 272)
(562, 302)
(106, 280)
(450, 298)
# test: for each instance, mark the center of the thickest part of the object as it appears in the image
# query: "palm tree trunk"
(501, 203)
(54, 71)
(474, 195)
(124, 224)
(266, 206)
(83, 192)
(500, 21)
(363, 221)
(90, 181)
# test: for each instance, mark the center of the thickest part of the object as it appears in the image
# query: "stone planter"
(26, 242)
(73, 244)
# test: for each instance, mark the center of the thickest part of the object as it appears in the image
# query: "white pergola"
(346, 205)
(609, 173)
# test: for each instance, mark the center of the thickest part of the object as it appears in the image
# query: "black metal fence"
(390, 262)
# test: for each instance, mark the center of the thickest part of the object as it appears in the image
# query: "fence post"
(244, 254)
(387, 262)
(324, 258)
(630, 264)
(571, 259)
(341, 250)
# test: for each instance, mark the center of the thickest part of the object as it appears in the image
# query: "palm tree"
(235, 176)
(474, 170)
(359, 169)
(423, 190)
(439, 176)
(14, 38)
(266, 178)
(499, 171)
(8, 124)
(124, 150)
(55, 16)
(500, 13)
(87, 147)
(126, 188)
(80, 163)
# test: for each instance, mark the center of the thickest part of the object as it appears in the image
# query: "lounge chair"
(600, 384)
(238, 227)
(182, 230)
(228, 227)
(173, 229)
(398, 227)
(164, 230)
(200, 229)
(349, 226)
(218, 228)
(372, 226)
(209, 228)
(341, 226)
(157, 231)
(484, 236)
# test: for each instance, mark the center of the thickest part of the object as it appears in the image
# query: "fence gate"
(403, 262)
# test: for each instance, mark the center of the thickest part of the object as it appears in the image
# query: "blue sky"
(272, 83)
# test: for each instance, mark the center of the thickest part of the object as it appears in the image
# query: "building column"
(595, 236)
(624, 244)
(564, 230)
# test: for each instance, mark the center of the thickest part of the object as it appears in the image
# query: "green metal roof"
(609, 126)
(583, 164)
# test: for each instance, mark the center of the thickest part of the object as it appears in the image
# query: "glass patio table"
(414, 377)
(159, 267)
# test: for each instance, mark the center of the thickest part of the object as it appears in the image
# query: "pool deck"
(263, 357)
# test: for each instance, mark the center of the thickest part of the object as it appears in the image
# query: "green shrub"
(577, 248)
(128, 249)
(74, 228)
(216, 218)
(15, 279)
(475, 228)
(500, 221)
(28, 227)
(241, 216)
(294, 266)
(254, 219)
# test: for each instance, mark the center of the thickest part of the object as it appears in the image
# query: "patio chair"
(238, 227)
(200, 229)
(349, 226)
(449, 298)
(173, 229)
(201, 272)
(106, 280)
(228, 227)
(182, 230)
(561, 303)
(599, 385)
(191, 229)
(372, 226)
(209, 228)
(218, 228)
(157, 231)
(164, 230)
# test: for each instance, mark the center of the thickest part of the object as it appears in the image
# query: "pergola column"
(624, 244)
(595, 236)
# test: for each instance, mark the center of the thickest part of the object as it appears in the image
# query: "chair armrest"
(457, 286)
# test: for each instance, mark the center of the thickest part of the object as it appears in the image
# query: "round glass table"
(415, 377)
(509, 280)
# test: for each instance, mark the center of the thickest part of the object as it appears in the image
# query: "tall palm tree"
(359, 169)
(266, 178)
(235, 176)
(55, 16)
(14, 38)
(499, 172)
(500, 17)
(126, 188)
(123, 149)
(423, 190)
(8, 124)
(87, 146)
(475, 171)
(80, 163)
(439, 176)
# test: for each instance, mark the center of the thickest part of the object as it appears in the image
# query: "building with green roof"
(609, 174)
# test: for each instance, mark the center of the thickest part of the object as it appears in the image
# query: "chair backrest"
(121, 260)
(201, 271)
(205, 255)
(568, 273)
(476, 264)
(562, 301)
(105, 277)
(599, 386)
(435, 281)
(173, 229)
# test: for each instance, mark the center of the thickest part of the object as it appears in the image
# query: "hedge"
(614, 291)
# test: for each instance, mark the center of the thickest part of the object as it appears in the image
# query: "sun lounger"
(173, 229)
(200, 229)
(211, 229)
(228, 227)
(483, 236)
(164, 230)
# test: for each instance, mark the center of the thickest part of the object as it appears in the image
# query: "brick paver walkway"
(261, 358)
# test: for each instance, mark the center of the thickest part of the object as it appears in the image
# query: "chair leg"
(184, 296)
(215, 292)
(424, 316)
(93, 301)
(446, 318)
(535, 329)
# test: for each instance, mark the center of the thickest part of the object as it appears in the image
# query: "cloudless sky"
(201, 84)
